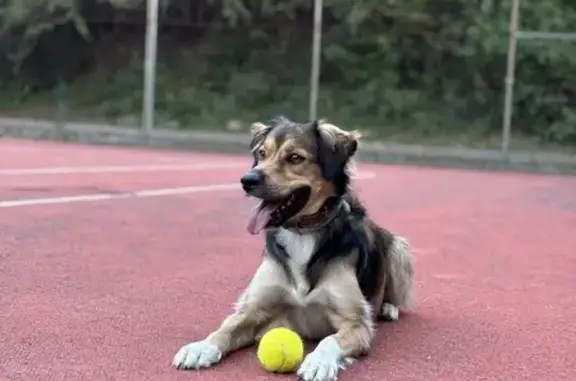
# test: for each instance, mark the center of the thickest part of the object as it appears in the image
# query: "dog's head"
(297, 167)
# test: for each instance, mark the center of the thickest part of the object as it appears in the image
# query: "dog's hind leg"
(399, 282)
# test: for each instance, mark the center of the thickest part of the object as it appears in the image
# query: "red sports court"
(112, 258)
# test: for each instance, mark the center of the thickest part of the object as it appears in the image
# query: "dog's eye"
(295, 159)
(261, 153)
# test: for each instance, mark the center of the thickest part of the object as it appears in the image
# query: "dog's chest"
(306, 315)
(300, 248)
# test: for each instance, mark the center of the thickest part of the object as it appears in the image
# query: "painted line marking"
(18, 149)
(137, 194)
(117, 169)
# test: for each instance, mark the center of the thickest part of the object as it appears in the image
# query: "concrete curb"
(237, 143)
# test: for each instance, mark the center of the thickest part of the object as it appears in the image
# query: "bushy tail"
(399, 286)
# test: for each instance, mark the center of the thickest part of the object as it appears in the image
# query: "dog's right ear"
(335, 148)
(258, 132)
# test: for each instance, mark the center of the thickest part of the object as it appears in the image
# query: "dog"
(328, 271)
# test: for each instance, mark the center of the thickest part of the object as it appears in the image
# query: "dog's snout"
(251, 180)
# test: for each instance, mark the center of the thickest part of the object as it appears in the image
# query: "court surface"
(113, 258)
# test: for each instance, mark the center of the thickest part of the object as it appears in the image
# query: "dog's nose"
(251, 180)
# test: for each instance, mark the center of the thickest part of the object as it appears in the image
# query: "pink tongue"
(259, 219)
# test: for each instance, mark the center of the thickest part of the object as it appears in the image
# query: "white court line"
(18, 149)
(138, 194)
(117, 169)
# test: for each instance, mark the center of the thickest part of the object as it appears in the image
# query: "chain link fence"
(448, 74)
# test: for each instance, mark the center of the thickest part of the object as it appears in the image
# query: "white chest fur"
(300, 248)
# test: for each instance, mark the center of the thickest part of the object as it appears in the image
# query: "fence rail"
(535, 35)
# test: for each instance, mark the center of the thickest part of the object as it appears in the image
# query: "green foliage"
(428, 67)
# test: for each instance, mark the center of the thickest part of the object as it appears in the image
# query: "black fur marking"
(255, 155)
(332, 163)
(346, 234)
(276, 252)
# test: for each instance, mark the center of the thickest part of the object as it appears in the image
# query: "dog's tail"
(399, 287)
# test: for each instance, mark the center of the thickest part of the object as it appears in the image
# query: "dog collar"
(321, 218)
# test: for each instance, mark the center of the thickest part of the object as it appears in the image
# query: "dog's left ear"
(335, 148)
(258, 132)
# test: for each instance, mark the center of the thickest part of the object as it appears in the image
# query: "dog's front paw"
(319, 366)
(196, 355)
(324, 363)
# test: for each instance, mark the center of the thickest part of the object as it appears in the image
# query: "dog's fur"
(329, 281)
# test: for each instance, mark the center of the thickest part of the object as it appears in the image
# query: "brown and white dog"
(328, 271)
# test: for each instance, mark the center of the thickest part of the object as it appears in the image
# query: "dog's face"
(296, 168)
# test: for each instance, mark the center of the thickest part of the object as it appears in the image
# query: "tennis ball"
(280, 350)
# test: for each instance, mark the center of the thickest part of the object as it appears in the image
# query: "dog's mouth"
(273, 213)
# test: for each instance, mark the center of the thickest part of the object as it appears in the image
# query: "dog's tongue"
(259, 218)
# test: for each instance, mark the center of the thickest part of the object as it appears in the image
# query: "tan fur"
(285, 176)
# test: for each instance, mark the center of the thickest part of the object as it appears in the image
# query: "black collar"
(326, 214)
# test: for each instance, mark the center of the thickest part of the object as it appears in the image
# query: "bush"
(430, 68)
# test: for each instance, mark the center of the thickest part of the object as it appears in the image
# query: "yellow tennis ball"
(280, 350)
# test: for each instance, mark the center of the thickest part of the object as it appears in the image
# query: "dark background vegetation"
(399, 69)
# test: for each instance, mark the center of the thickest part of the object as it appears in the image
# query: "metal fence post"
(510, 73)
(150, 65)
(315, 67)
